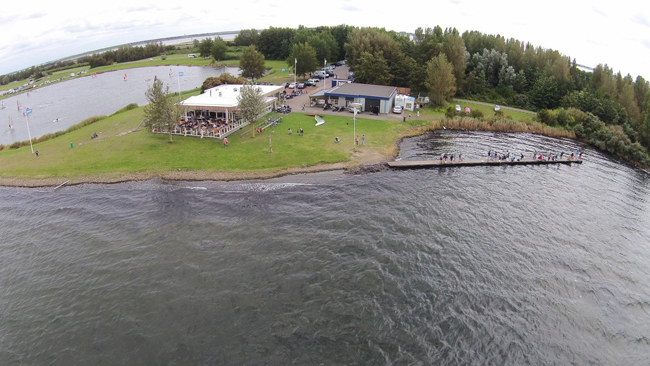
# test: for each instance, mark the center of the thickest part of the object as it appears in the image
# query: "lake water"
(519, 265)
(59, 106)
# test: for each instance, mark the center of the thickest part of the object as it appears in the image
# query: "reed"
(498, 125)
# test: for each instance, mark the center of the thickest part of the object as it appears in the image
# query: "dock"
(417, 164)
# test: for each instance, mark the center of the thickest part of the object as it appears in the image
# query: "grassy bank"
(119, 153)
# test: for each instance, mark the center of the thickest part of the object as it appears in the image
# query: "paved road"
(492, 104)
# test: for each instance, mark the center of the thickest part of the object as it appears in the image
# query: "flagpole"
(324, 77)
(27, 112)
(179, 87)
(295, 70)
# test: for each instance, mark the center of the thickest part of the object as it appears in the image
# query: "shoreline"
(361, 159)
(365, 158)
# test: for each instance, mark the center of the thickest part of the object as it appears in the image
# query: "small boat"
(319, 120)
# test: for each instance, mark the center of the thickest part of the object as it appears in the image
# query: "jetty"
(417, 164)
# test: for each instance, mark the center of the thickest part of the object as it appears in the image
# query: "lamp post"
(324, 64)
(354, 131)
(295, 69)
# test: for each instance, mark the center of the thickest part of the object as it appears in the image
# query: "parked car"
(301, 86)
(497, 108)
(311, 82)
(292, 86)
(192, 55)
(398, 109)
(457, 107)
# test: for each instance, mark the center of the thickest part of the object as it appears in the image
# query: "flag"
(180, 73)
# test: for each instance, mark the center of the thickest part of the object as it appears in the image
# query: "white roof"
(225, 96)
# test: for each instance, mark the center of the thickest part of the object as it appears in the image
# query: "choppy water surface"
(482, 265)
(59, 106)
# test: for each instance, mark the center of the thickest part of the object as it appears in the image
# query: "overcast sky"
(616, 33)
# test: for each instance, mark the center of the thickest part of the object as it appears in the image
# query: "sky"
(616, 33)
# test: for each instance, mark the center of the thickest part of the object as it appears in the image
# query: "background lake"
(522, 265)
(59, 106)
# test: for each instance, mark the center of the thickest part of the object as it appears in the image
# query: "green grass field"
(118, 153)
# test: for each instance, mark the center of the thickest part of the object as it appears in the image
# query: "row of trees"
(126, 54)
(36, 72)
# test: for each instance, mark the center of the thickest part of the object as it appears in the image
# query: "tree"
(160, 112)
(306, 56)
(454, 48)
(441, 81)
(219, 49)
(251, 63)
(372, 69)
(247, 37)
(251, 104)
(205, 47)
(224, 78)
(544, 93)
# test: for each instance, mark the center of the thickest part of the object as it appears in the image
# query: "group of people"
(541, 157)
(451, 157)
(299, 131)
(493, 155)
(363, 140)
(201, 127)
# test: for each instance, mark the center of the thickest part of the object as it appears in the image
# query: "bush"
(476, 113)
(127, 108)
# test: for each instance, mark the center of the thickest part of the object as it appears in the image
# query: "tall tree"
(246, 37)
(251, 104)
(441, 81)
(251, 63)
(454, 48)
(160, 112)
(306, 57)
(205, 47)
(372, 69)
(544, 93)
(219, 49)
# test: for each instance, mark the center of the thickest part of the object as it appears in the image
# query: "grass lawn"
(116, 153)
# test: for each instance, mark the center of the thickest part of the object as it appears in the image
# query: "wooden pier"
(416, 164)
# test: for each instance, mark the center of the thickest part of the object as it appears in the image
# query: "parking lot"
(342, 72)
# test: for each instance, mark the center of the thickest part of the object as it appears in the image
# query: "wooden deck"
(415, 164)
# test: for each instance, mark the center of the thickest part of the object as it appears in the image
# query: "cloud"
(640, 19)
(456, 2)
(35, 15)
(646, 43)
(141, 8)
(598, 11)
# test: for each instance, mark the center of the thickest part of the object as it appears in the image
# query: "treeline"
(36, 72)
(126, 54)
(445, 63)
